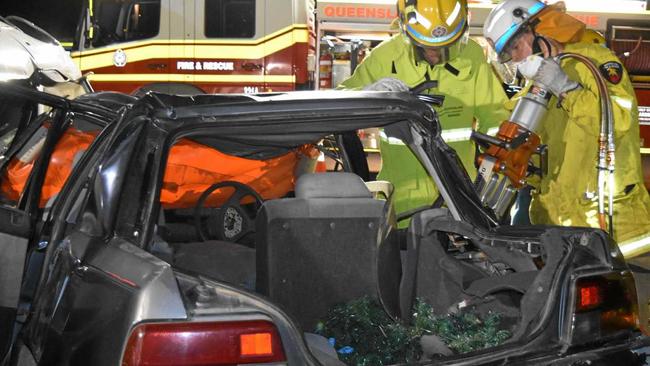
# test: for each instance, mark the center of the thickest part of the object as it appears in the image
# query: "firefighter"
(567, 195)
(433, 45)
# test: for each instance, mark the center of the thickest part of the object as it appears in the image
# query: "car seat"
(331, 244)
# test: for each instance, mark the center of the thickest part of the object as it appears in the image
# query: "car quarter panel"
(102, 296)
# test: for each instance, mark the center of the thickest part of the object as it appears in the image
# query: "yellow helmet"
(433, 23)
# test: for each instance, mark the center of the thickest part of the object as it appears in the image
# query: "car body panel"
(100, 277)
(24, 55)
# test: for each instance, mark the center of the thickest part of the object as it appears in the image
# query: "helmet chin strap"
(537, 48)
(444, 55)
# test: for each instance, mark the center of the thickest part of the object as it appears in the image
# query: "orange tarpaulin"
(15, 176)
(191, 169)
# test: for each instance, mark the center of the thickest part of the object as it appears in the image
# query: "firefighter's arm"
(584, 103)
(368, 71)
(489, 100)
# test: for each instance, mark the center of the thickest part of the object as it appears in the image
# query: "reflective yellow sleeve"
(368, 71)
(489, 99)
(581, 104)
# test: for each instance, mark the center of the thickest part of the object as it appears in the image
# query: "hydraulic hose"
(606, 144)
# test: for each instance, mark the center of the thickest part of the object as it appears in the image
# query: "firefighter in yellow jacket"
(567, 195)
(433, 45)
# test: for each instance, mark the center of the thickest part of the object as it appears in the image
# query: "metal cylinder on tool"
(504, 163)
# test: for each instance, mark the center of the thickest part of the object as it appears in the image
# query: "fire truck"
(183, 46)
(189, 46)
(217, 46)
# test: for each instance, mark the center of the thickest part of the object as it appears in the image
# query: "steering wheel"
(231, 221)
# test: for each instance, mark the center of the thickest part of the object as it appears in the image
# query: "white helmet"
(506, 20)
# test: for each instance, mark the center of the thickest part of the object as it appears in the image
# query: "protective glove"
(548, 74)
(387, 84)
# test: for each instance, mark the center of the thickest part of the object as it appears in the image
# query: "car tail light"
(605, 305)
(257, 344)
(590, 295)
(203, 343)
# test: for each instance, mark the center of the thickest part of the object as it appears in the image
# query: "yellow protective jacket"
(568, 194)
(472, 91)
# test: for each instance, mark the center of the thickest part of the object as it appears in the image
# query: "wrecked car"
(34, 58)
(107, 272)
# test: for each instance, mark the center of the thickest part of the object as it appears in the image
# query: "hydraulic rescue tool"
(505, 162)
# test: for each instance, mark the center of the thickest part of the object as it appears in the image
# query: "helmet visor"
(507, 71)
(445, 53)
(506, 54)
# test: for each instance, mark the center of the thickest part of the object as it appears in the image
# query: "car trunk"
(316, 252)
(453, 267)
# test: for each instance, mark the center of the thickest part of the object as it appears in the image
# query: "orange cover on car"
(191, 169)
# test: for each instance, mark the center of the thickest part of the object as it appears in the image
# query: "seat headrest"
(331, 185)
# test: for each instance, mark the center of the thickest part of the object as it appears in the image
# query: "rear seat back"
(328, 245)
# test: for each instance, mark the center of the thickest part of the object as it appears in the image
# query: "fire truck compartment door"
(229, 45)
(129, 46)
(280, 49)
